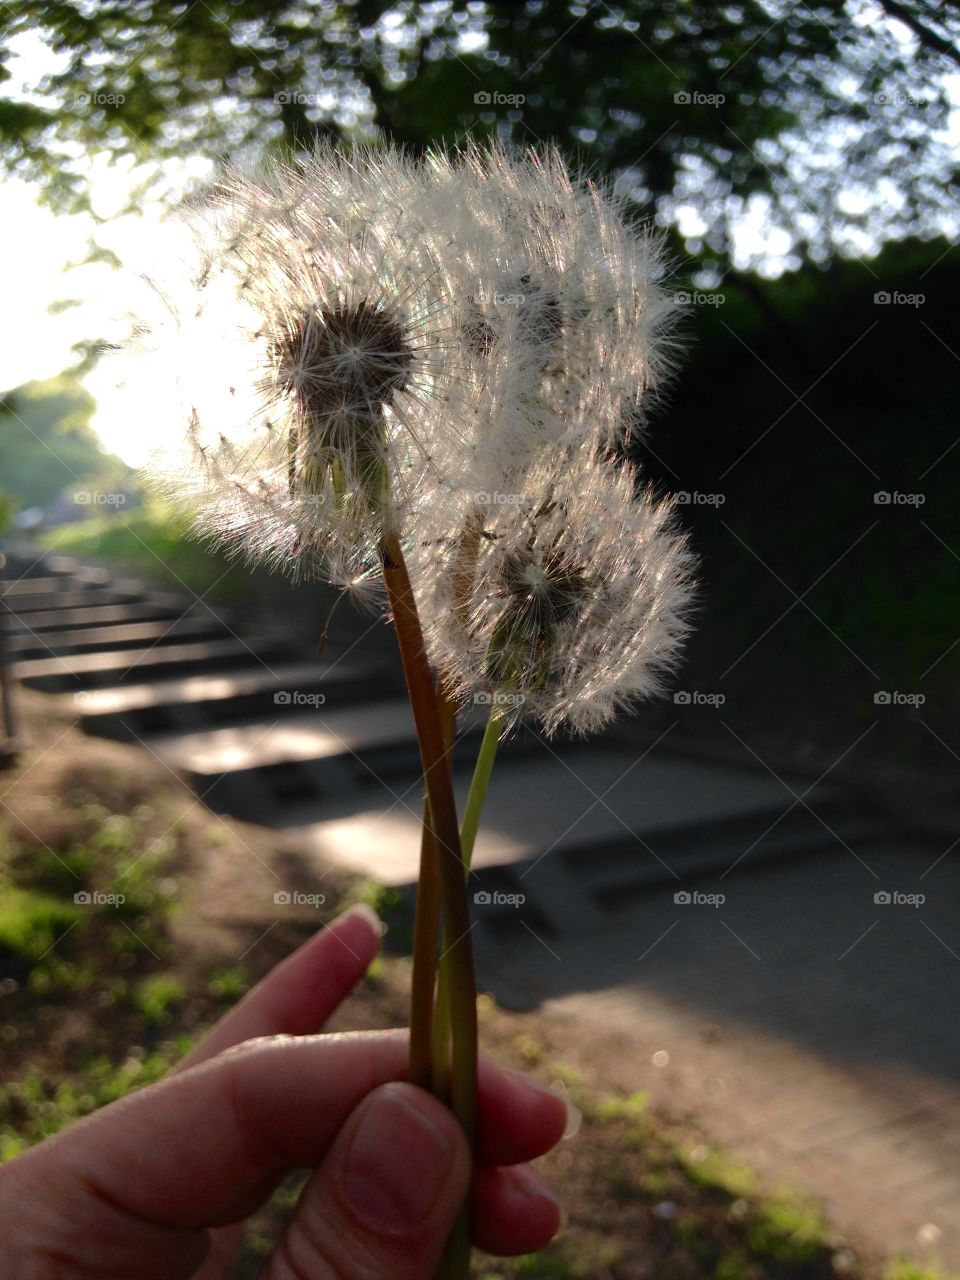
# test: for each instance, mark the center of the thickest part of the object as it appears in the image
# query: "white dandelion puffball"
(573, 605)
(368, 344)
(312, 347)
(565, 327)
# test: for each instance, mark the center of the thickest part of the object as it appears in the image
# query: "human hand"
(157, 1185)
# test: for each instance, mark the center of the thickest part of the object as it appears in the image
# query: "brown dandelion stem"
(445, 828)
(426, 927)
(479, 784)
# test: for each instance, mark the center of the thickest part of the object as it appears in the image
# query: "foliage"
(47, 444)
(153, 543)
(143, 79)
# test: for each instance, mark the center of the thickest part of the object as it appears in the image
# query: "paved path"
(803, 1025)
(800, 1022)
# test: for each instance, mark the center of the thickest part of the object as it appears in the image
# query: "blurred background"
(738, 945)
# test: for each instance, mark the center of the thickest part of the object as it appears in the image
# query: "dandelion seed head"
(577, 605)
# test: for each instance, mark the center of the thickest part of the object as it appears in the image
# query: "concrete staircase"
(271, 733)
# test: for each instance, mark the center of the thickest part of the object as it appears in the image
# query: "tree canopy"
(48, 445)
(833, 112)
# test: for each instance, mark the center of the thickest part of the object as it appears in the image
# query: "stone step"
(316, 735)
(98, 670)
(195, 701)
(553, 806)
(130, 636)
(93, 616)
(47, 586)
(612, 869)
(67, 598)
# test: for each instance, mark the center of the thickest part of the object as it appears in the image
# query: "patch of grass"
(99, 886)
(229, 984)
(156, 997)
(787, 1231)
(713, 1170)
(612, 1106)
(907, 1269)
(381, 898)
(529, 1050)
(31, 922)
(36, 1106)
(565, 1073)
(154, 543)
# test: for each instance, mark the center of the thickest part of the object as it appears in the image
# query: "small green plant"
(612, 1107)
(31, 923)
(713, 1170)
(228, 985)
(907, 1269)
(156, 997)
(787, 1231)
(36, 1107)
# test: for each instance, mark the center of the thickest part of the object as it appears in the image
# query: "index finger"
(299, 995)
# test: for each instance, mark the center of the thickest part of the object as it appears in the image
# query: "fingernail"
(533, 1187)
(574, 1115)
(397, 1162)
(361, 911)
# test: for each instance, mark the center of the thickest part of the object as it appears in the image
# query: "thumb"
(385, 1197)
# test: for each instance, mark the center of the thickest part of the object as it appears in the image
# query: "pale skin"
(157, 1185)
